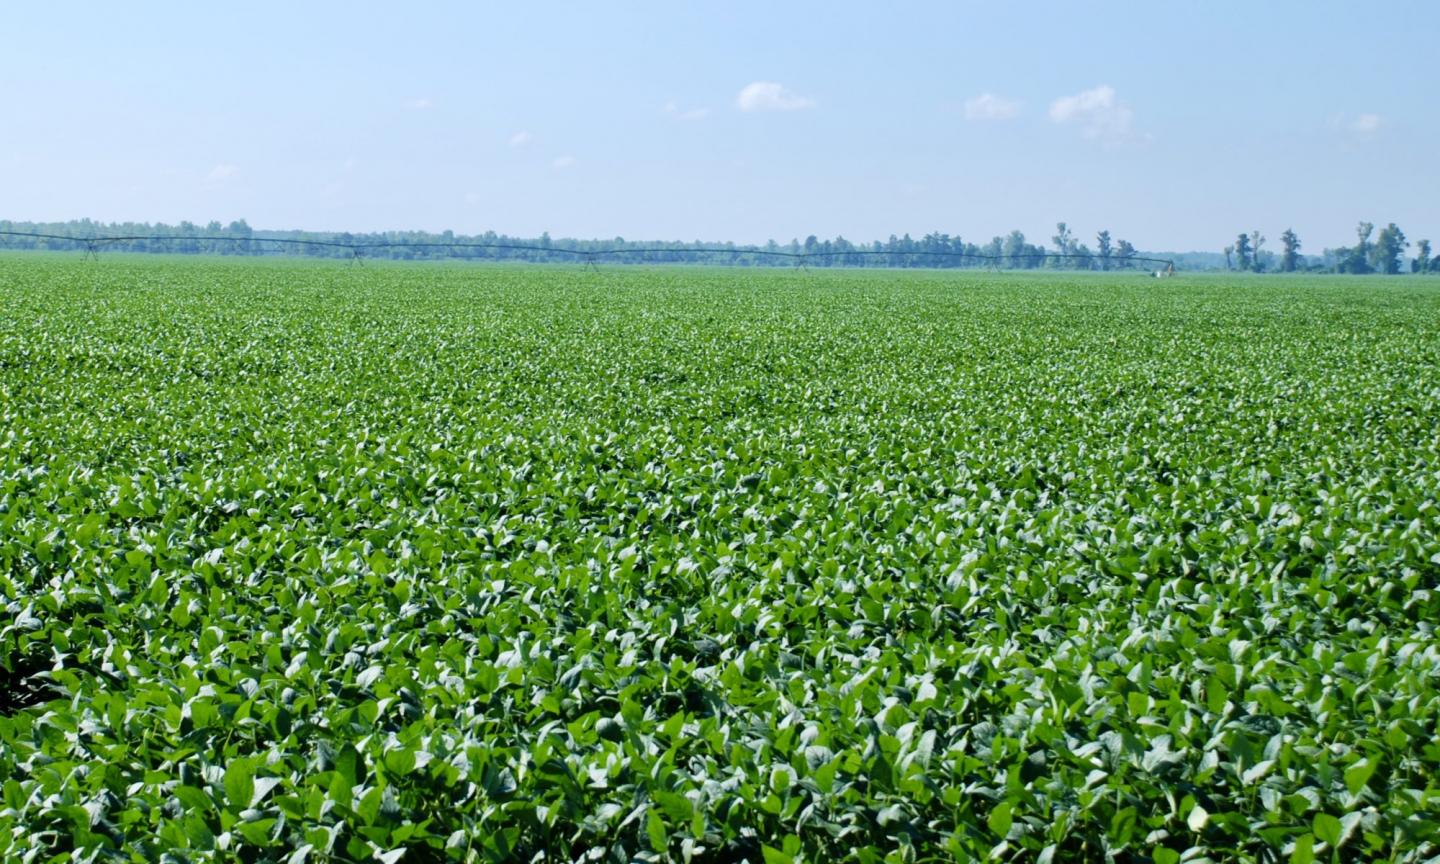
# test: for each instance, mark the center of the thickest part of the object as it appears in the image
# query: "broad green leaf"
(775, 856)
(1359, 774)
(1326, 828)
(999, 820)
(1304, 851)
(655, 830)
(239, 784)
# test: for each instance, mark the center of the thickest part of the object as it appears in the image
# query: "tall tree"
(1256, 241)
(1363, 246)
(1291, 256)
(1124, 251)
(1229, 252)
(1015, 250)
(994, 249)
(1357, 258)
(241, 228)
(1102, 244)
(1390, 249)
(1422, 262)
(1243, 258)
(1064, 243)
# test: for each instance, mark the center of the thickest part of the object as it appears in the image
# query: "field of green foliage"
(309, 563)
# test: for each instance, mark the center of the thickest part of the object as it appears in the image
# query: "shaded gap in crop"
(21, 684)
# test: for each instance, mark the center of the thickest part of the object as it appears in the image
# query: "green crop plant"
(309, 563)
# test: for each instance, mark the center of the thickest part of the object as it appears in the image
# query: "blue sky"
(1175, 125)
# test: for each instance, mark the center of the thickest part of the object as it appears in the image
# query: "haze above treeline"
(1383, 252)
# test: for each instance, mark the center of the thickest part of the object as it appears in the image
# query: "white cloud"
(563, 162)
(422, 104)
(520, 139)
(676, 111)
(988, 106)
(769, 96)
(1097, 113)
(1366, 124)
(222, 172)
(1357, 129)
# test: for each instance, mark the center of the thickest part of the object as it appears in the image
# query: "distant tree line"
(935, 250)
(1372, 253)
(1384, 254)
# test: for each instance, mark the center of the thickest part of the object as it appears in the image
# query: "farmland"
(307, 562)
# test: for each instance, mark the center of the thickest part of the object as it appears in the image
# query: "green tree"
(1124, 251)
(1064, 244)
(1390, 249)
(1243, 257)
(1015, 249)
(1362, 253)
(1422, 262)
(1229, 254)
(240, 228)
(1256, 241)
(1291, 255)
(1102, 244)
(1356, 259)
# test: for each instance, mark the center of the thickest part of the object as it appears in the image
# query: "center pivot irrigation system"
(93, 245)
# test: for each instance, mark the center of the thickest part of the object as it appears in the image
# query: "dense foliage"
(306, 563)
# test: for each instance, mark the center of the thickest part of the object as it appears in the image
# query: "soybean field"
(305, 562)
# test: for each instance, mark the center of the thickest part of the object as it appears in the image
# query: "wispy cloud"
(222, 172)
(424, 103)
(1357, 129)
(988, 106)
(1366, 124)
(1098, 113)
(521, 139)
(561, 163)
(769, 96)
(679, 113)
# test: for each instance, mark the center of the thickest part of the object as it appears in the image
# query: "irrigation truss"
(357, 250)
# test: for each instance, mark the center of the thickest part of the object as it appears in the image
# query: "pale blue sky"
(1175, 124)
